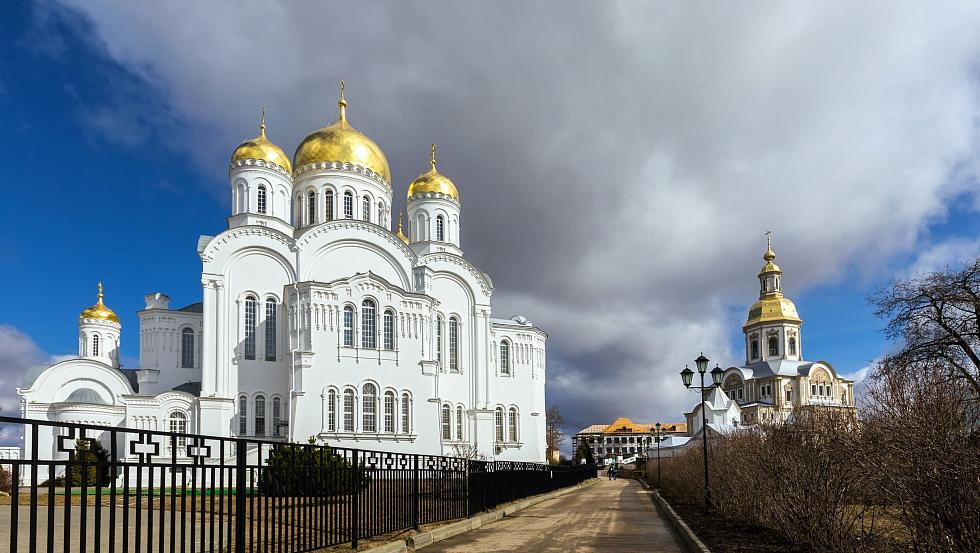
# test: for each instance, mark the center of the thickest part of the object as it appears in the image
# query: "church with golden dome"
(775, 378)
(320, 318)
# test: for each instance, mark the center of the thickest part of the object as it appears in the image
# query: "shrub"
(96, 469)
(297, 470)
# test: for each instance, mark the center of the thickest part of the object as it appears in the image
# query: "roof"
(85, 395)
(193, 308)
(192, 388)
(623, 425)
(593, 429)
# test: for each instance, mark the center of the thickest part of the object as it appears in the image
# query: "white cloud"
(947, 254)
(617, 165)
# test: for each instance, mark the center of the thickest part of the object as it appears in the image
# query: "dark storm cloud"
(618, 162)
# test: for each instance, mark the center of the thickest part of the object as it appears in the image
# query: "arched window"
(369, 322)
(249, 327)
(328, 206)
(389, 329)
(348, 410)
(276, 415)
(348, 205)
(259, 415)
(261, 199)
(390, 412)
(754, 348)
(792, 346)
(447, 423)
(453, 344)
(773, 346)
(242, 415)
(440, 228)
(95, 345)
(512, 424)
(178, 425)
(504, 357)
(270, 329)
(498, 424)
(348, 326)
(369, 408)
(366, 209)
(187, 348)
(406, 413)
(439, 323)
(332, 411)
(298, 217)
(311, 209)
(459, 422)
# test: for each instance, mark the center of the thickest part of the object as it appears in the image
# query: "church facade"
(317, 319)
(775, 378)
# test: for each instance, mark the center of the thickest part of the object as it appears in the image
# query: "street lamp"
(659, 435)
(686, 376)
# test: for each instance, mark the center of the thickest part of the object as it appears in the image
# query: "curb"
(688, 537)
(422, 539)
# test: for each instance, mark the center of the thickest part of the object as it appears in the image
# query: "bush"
(96, 470)
(6, 482)
(296, 470)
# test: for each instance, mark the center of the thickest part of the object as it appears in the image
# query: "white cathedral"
(318, 320)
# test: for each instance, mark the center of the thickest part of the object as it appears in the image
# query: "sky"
(618, 162)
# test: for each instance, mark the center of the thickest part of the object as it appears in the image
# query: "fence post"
(240, 448)
(415, 496)
(355, 491)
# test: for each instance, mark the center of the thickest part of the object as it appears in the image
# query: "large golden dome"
(260, 148)
(342, 142)
(99, 311)
(775, 308)
(433, 181)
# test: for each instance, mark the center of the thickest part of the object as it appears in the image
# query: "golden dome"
(99, 311)
(342, 142)
(772, 309)
(433, 181)
(260, 148)
(401, 236)
(769, 267)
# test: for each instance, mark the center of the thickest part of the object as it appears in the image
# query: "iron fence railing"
(99, 488)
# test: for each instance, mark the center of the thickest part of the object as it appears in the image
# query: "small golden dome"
(401, 236)
(769, 267)
(775, 308)
(260, 148)
(99, 310)
(433, 181)
(342, 142)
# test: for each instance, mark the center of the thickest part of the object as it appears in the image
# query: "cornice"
(341, 224)
(215, 244)
(259, 163)
(433, 195)
(428, 259)
(341, 166)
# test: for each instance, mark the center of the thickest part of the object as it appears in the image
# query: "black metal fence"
(97, 488)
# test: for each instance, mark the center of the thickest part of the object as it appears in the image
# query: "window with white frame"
(260, 415)
(369, 408)
(459, 422)
(792, 346)
(348, 205)
(178, 424)
(406, 413)
(332, 411)
(754, 348)
(328, 205)
(498, 424)
(512, 424)
(250, 327)
(95, 345)
(390, 412)
(773, 346)
(311, 208)
(389, 329)
(242, 415)
(348, 410)
(369, 321)
(348, 326)
(366, 209)
(453, 344)
(261, 199)
(270, 329)
(276, 415)
(440, 228)
(446, 423)
(439, 340)
(504, 357)
(187, 348)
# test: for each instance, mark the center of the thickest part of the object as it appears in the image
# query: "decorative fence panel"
(97, 488)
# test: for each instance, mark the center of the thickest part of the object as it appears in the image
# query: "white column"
(209, 341)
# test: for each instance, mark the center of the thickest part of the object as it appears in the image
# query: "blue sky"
(118, 123)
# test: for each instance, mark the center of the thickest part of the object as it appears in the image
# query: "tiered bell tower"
(773, 328)
(98, 333)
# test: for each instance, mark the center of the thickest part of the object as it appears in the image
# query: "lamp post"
(686, 376)
(659, 435)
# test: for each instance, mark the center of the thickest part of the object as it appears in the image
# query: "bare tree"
(936, 316)
(554, 436)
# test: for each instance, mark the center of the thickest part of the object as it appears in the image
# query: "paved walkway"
(609, 516)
